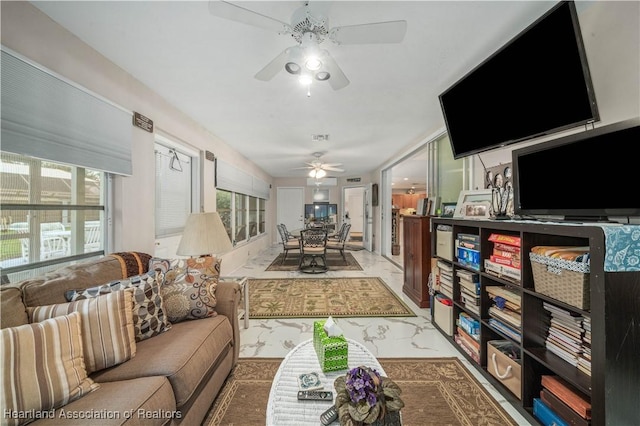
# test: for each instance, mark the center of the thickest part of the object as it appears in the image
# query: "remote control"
(316, 395)
(329, 416)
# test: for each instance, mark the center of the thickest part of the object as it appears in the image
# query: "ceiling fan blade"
(274, 67)
(337, 80)
(332, 169)
(301, 168)
(377, 32)
(331, 164)
(237, 13)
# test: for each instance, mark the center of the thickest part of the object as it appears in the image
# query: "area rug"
(321, 297)
(335, 262)
(435, 391)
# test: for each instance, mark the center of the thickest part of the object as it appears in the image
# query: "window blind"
(231, 178)
(46, 117)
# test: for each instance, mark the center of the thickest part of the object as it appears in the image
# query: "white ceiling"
(205, 66)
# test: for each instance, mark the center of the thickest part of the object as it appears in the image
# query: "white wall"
(34, 35)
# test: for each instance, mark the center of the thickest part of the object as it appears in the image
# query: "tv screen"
(590, 175)
(537, 84)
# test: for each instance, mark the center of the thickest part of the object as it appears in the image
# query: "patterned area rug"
(335, 262)
(435, 391)
(321, 297)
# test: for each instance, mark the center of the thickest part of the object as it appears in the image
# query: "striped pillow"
(108, 336)
(42, 367)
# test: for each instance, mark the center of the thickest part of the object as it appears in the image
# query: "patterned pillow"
(32, 379)
(189, 288)
(149, 317)
(108, 336)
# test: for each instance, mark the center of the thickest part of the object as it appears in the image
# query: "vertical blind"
(45, 117)
(173, 190)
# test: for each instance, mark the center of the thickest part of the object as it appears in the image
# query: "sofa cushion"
(12, 309)
(149, 318)
(182, 354)
(106, 322)
(189, 288)
(42, 366)
(146, 401)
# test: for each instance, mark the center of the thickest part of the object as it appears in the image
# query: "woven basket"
(562, 280)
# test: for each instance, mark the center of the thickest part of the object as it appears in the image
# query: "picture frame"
(448, 209)
(477, 196)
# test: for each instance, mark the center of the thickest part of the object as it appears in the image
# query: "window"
(52, 214)
(243, 215)
(176, 186)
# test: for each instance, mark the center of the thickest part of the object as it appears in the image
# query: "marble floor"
(411, 337)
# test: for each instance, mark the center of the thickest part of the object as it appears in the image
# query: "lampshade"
(204, 234)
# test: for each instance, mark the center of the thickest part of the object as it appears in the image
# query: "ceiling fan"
(310, 27)
(318, 169)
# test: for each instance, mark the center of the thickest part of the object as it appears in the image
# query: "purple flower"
(361, 385)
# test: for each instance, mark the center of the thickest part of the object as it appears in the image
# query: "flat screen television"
(537, 84)
(591, 175)
(320, 211)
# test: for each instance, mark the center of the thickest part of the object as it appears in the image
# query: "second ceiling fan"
(318, 169)
(309, 28)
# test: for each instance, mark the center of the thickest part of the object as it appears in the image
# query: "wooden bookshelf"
(614, 312)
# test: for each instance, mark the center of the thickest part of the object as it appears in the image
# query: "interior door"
(290, 209)
(367, 236)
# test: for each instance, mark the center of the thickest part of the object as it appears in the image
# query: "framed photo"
(448, 209)
(476, 210)
(479, 196)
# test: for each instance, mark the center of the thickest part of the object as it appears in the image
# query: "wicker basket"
(563, 280)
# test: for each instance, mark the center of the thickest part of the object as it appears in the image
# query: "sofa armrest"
(228, 300)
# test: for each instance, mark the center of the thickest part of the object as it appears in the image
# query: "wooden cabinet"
(406, 201)
(416, 250)
(613, 384)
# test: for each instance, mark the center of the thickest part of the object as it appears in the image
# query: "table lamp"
(204, 234)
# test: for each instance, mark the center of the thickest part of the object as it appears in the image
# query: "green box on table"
(332, 351)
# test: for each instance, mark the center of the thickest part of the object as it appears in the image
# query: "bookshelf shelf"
(614, 384)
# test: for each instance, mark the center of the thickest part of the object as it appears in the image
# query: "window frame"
(260, 212)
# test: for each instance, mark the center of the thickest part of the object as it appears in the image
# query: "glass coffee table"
(284, 408)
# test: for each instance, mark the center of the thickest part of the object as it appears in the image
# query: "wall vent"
(319, 138)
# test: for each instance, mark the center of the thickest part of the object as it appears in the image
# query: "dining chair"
(289, 235)
(341, 242)
(287, 244)
(336, 237)
(313, 247)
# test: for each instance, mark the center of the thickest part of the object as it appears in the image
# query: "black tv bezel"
(595, 115)
(570, 214)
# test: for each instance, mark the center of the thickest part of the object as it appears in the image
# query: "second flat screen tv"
(538, 83)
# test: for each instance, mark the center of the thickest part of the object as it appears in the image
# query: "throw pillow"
(108, 336)
(189, 288)
(43, 367)
(149, 317)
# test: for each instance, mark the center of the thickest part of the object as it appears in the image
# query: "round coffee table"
(284, 408)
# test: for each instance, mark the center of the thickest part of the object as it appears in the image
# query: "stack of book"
(505, 260)
(445, 278)
(505, 312)
(469, 324)
(561, 404)
(469, 290)
(468, 343)
(468, 250)
(584, 360)
(565, 332)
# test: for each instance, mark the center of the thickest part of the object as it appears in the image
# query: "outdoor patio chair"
(341, 242)
(313, 247)
(287, 244)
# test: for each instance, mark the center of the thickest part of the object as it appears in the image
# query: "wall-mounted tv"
(538, 83)
(591, 175)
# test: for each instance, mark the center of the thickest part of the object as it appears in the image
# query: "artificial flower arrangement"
(363, 396)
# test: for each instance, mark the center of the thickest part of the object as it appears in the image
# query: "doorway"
(354, 214)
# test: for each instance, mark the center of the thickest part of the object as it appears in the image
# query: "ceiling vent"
(319, 138)
(328, 181)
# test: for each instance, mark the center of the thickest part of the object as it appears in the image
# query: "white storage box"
(443, 316)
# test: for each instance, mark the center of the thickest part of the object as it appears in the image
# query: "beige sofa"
(173, 378)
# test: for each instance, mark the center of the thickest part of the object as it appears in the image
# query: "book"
(546, 415)
(470, 287)
(469, 237)
(470, 340)
(566, 413)
(505, 329)
(505, 239)
(502, 271)
(309, 381)
(577, 401)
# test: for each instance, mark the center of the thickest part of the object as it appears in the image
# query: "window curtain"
(46, 117)
(231, 178)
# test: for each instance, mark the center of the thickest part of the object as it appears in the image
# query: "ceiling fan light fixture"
(313, 63)
(322, 76)
(320, 174)
(292, 68)
(305, 79)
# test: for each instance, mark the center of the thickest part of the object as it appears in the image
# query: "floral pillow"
(189, 288)
(149, 315)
